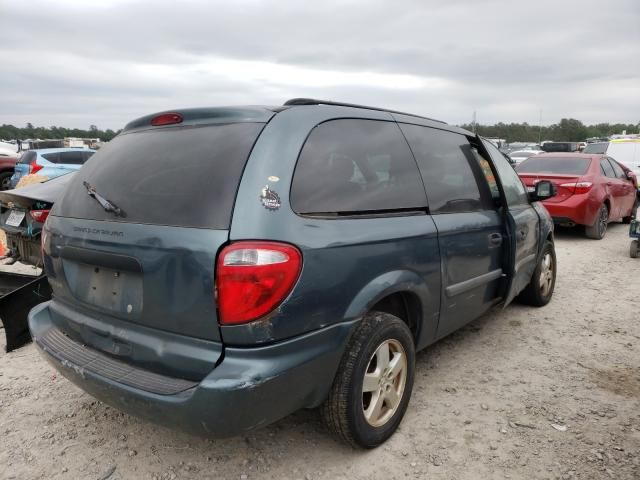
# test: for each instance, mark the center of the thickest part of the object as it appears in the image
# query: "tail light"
(34, 167)
(579, 187)
(39, 215)
(166, 119)
(253, 278)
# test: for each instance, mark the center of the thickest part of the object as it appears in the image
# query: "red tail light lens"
(39, 215)
(579, 187)
(34, 167)
(253, 278)
(166, 119)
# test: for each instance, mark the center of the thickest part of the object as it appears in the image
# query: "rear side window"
(181, 176)
(52, 157)
(451, 173)
(351, 166)
(618, 169)
(68, 158)
(561, 165)
(72, 158)
(607, 169)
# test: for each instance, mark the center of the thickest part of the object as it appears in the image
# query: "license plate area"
(110, 289)
(15, 218)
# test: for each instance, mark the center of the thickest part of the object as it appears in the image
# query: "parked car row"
(50, 162)
(23, 212)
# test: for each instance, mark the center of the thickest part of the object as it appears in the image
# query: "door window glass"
(452, 176)
(514, 191)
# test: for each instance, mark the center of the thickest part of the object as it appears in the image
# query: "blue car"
(50, 162)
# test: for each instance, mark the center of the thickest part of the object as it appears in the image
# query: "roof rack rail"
(314, 101)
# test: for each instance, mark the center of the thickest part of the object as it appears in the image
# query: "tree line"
(11, 132)
(568, 130)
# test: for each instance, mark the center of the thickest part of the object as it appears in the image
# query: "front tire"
(543, 281)
(633, 248)
(373, 385)
(599, 227)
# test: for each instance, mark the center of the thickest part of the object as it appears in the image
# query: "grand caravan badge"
(269, 198)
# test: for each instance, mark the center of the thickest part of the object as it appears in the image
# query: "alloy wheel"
(603, 220)
(384, 383)
(546, 274)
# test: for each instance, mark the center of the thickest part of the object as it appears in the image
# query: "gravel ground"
(520, 393)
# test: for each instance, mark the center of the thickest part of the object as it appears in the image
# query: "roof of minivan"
(260, 113)
(210, 114)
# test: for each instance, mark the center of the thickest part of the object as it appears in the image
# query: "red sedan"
(593, 190)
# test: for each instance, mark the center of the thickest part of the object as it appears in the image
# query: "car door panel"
(470, 229)
(624, 190)
(522, 225)
(471, 251)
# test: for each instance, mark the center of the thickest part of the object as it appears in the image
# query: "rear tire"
(543, 281)
(634, 211)
(373, 385)
(633, 249)
(5, 180)
(599, 227)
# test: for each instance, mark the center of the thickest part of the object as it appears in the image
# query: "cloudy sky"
(79, 62)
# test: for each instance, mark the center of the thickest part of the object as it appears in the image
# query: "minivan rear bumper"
(250, 388)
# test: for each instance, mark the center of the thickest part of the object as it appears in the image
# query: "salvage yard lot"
(520, 393)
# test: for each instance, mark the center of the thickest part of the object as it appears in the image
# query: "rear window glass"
(179, 176)
(560, 147)
(596, 148)
(350, 166)
(27, 157)
(566, 165)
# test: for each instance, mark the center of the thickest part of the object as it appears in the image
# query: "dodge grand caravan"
(294, 257)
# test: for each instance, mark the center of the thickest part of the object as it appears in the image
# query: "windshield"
(551, 165)
(596, 148)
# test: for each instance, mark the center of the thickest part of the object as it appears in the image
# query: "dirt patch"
(621, 381)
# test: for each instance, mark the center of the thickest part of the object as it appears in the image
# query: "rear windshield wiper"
(106, 204)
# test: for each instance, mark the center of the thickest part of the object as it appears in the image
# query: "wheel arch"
(404, 294)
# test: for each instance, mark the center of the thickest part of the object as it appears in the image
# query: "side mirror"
(544, 190)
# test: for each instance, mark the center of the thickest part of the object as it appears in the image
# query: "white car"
(8, 149)
(624, 150)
